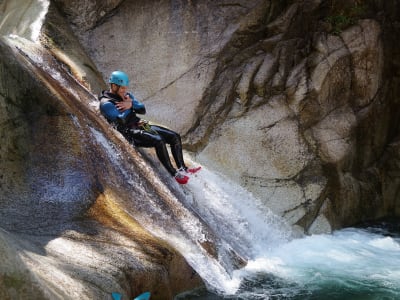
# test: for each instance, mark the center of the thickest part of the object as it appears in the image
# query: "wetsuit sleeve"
(137, 105)
(112, 114)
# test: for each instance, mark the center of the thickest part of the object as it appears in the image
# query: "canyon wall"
(295, 100)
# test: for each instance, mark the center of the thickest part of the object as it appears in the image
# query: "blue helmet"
(119, 78)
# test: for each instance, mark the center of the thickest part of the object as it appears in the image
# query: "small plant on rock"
(345, 17)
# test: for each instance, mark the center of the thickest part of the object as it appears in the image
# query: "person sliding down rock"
(120, 108)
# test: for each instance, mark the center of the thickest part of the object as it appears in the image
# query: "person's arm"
(112, 114)
(137, 105)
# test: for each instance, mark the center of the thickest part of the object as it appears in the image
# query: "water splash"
(347, 264)
(357, 262)
(245, 226)
(351, 253)
(235, 214)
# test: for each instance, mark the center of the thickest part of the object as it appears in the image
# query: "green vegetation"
(13, 281)
(346, 16)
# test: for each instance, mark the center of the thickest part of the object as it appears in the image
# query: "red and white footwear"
(190, 170)
(193, 170)
(181, 178)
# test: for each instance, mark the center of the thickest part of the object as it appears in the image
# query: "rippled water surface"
(354, 263)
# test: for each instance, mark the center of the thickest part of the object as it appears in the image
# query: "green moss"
(13, 281)
(344, 16)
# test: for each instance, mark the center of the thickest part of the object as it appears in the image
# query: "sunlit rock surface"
(68, 206)
(298, 108)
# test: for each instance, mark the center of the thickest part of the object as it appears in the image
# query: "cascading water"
(351, 263)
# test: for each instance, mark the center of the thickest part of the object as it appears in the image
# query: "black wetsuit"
(142, 135)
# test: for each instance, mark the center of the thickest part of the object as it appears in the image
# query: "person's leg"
(174, 140)
(142, 138)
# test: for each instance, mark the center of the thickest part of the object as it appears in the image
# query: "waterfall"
(238, 222)
(239, 219)
(23, 18)
(348, 263)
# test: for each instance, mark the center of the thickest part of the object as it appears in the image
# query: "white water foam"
(235, 213)
(351, 256)
(246, 226)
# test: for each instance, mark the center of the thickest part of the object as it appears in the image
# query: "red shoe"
(193, 170)
(180, 178)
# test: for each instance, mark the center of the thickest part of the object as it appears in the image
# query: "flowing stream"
(353, 263)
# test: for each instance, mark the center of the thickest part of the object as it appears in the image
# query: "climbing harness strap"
(145, 125)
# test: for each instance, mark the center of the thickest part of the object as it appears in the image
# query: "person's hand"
(124, 105)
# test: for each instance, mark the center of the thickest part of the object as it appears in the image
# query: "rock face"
(68, 213)
(295, 100)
